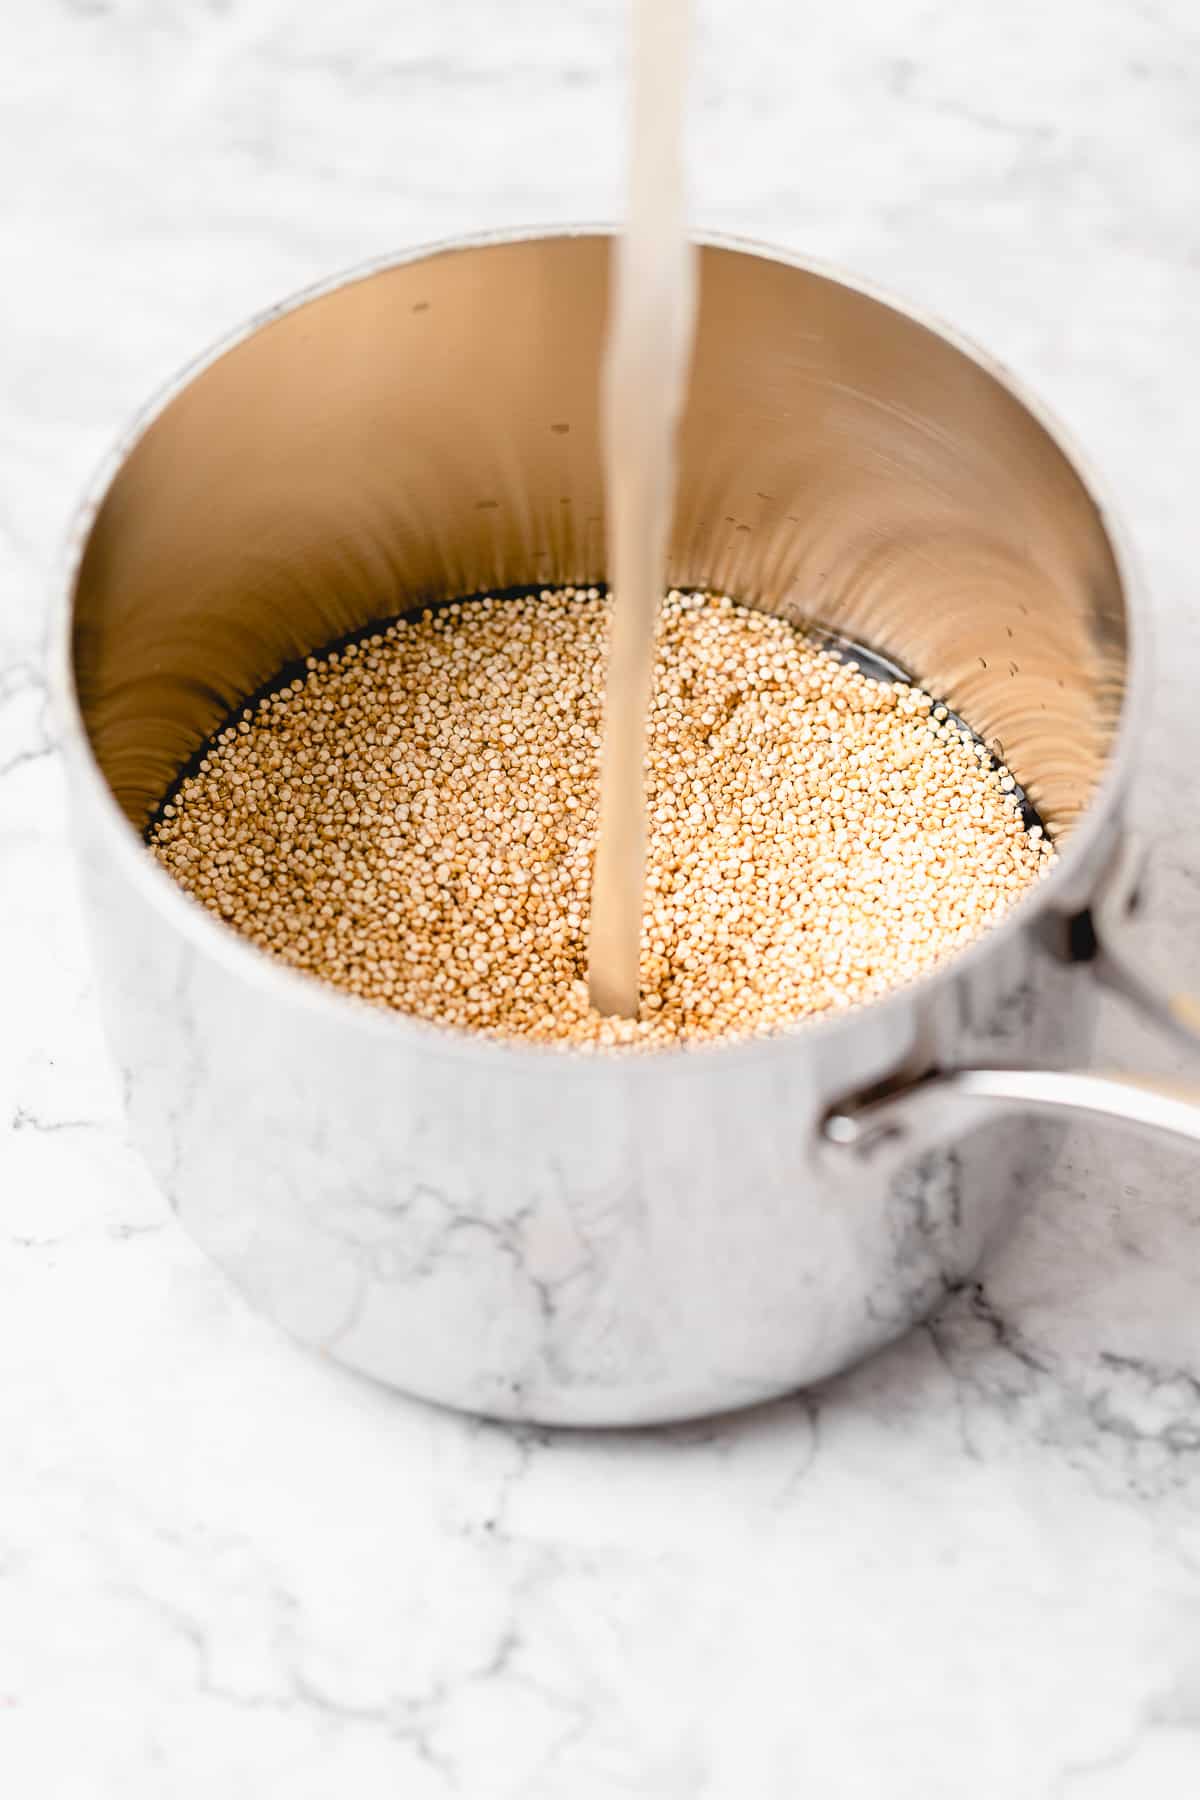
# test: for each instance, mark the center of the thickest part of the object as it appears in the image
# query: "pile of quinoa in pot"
(412, 819)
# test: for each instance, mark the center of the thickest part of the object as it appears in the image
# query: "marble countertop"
(226, 1568)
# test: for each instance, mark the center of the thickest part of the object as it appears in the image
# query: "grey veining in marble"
(972, 1565)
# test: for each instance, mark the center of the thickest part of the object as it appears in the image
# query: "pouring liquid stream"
(645, 384)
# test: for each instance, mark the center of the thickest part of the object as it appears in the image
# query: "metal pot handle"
(895, 1123)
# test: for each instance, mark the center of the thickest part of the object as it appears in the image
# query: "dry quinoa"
(413, 821)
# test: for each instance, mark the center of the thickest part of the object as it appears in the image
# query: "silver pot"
(520, 1230)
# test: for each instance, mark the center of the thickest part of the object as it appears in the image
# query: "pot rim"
(246, 962)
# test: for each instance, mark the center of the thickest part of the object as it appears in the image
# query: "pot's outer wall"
(585, 1241)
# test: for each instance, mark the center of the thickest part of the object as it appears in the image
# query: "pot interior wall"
(432, 430)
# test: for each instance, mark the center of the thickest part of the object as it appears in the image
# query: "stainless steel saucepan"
(527, 1231)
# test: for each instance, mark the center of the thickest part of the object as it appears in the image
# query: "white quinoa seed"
(413, 821)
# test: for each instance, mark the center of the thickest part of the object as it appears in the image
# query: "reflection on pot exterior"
(587, 1240)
